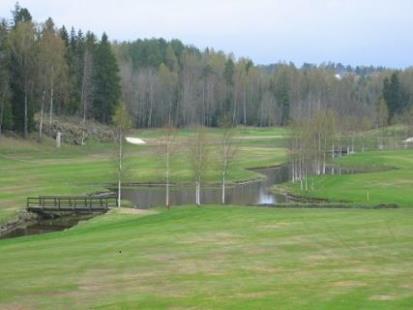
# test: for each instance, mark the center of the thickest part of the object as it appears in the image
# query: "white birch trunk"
(245, 107)
(150, 104)
(198, 193)
(42, 115)
(51, 104)
(120, 170)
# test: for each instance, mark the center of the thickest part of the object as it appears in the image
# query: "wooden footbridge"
(86, 204)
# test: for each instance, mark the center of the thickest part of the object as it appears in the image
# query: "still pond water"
(255, 192)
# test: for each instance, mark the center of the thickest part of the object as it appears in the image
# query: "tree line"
(47, 71)
(169, 82)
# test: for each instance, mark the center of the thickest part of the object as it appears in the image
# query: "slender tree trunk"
(198, 193)
(170, 114)
(84, 122)
(234, 113)
(42, 115)
(306, 180)
(325, 154)
(51, 102)
(352, 144)
(83, 100)
(26, 130)
(224, 173)
(120, 169)
(150, 105)
(245, 107)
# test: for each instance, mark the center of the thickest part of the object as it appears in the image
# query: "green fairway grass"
(216, 258)
(213, 257)
(28, 168)
(391, 180)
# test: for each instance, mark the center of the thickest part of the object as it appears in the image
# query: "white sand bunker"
(134, 140)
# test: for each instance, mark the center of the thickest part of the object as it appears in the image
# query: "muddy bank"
(28, 223)
(23, 220)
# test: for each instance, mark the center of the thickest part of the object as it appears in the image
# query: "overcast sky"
(356, 32)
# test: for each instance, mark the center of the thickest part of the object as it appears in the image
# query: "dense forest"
(47, 71)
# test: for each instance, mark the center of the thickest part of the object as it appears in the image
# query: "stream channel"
(256, 192)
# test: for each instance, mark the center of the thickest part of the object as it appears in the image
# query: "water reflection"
(246, 193)
(42, 225)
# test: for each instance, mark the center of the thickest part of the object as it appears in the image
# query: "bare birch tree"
(227, 152)
(199, 159)
(122, 122)
(168, 143)
(53, 64)
(312, 139)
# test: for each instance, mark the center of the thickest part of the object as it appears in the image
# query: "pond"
(254, 192)
(147, 196)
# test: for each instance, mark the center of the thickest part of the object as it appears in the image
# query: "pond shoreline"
(21, 221)
(30, 223)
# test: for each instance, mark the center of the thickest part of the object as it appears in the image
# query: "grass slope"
(216, 257)
(30, 169)
(393, 184)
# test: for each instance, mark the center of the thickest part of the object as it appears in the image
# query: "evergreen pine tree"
(106, 83)
(283, 98)
(22, 63)
(6, 120)
(393, 95)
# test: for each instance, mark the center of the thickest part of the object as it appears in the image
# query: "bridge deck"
(71, 203)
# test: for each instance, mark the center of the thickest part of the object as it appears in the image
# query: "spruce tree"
(106, 83)
(393, 95)
(283, 98)
(6, 120)
(22, 66)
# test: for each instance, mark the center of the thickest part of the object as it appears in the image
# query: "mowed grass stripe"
(217, 257)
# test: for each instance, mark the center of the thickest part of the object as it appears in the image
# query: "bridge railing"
(72, 202)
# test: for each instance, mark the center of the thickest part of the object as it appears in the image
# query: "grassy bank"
(28, 168)
(390, 182)
(216, 257)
